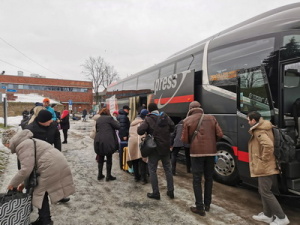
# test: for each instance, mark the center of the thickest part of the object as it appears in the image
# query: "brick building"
(79, 92)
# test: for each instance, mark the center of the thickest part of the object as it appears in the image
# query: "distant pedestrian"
(46, 104)
(203, 149)
(55, 177)
(134, 154)
(159, 125)
(176, 146)
(262, 165)
(65, 124)
(84, 115)
(105, 142)
(124, 123)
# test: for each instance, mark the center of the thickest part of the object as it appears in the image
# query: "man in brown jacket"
(262, 164)
(203, 150)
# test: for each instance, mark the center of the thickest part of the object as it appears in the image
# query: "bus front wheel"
(226, 171)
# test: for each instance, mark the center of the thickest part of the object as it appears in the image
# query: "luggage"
(126, 166)
(15, 208)
(122, 145)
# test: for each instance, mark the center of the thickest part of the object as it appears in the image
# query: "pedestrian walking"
(201, 131)
(134, 154)
(55, 178)
(105, 142)
(176, 146)
(159, 125)
(262, 165)
(65, 125)
(84, 115)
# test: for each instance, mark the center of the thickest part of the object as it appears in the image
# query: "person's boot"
(100, 174)
(108, 173)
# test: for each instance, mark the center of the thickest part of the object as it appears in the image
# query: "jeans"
(152, 166)
(270, 204)
(202, 165)
(44, 212)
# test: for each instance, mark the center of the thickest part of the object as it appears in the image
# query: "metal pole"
(5, 111)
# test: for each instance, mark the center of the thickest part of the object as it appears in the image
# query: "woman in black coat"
(106, 142)
(65, 125)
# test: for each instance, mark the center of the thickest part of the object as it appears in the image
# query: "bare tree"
(100, 73)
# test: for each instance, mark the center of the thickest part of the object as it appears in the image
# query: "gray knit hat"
(7, 135)
(194, 104)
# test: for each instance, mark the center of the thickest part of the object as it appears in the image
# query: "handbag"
(148, 145)
(32, 181)
(15, 208)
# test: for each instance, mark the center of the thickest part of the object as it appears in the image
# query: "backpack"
(284, 147)
(163, 120)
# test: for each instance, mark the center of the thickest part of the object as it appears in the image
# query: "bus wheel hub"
(225, 164)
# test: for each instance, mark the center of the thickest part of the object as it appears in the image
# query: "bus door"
(253, 95)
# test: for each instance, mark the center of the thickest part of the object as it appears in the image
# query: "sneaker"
(201, 212)
(278, 221)
(262, 218)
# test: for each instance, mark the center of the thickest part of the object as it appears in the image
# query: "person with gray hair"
(55, 178)
(201, 132)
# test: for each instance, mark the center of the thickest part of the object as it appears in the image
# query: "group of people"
(40, 142)
(198, 134)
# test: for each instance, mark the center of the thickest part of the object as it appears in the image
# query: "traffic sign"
(70, 102)
(3, 87)
(11, 90)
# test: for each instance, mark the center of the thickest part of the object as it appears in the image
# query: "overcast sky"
(53, 38)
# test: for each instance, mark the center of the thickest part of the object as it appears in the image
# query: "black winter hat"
(152, 107)
(44, 116)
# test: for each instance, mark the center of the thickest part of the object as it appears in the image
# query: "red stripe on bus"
(177, 99)
(241, 156)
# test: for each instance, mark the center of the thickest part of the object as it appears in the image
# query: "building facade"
(74, 95)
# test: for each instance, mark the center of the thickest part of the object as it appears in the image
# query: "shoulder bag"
(32, 181)
(148, 144)
(197, 129)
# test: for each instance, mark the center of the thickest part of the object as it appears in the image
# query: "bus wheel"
(225, 166)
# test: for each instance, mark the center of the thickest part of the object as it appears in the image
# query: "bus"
(252, 66)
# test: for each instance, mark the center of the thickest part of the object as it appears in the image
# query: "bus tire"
(226, 171)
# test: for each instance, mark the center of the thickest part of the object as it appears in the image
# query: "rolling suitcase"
(122, 145)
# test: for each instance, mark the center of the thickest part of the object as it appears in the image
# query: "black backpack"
(284, 146)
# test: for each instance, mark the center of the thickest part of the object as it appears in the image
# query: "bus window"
(167, 70)
(147, 80)
(291, 81)
(225, 63)
(190, 63)
(291, 47)
(253, 93)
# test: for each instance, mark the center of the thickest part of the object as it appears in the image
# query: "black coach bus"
(254, 65)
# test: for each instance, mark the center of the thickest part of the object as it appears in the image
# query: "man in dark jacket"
(45, 129)
(124, 123)
(160, 126)
(203, 149)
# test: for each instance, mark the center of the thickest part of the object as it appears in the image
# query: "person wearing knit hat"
(7, 135)
(44, 116)
(203, 149)
(46, 104)
(144, 113)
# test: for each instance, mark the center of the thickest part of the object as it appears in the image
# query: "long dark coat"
(65, 123)
(124, 124)
(106, 141)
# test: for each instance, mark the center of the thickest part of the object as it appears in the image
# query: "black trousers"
(44, 212)
(203, 165)
(65, 131)
(174, 155)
